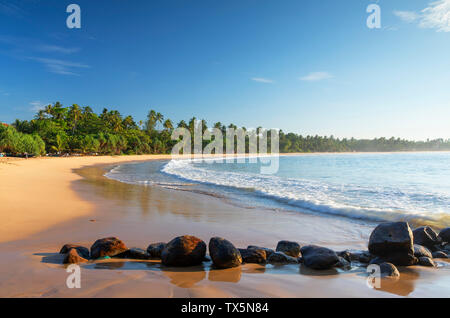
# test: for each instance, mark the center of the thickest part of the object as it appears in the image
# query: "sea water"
(413, 187)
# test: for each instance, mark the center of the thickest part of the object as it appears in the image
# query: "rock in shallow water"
(72, 257)
(255, 256)
(82, 251)
(110, 246)
(426, 261)
(393, 241)
(421, 251)
(439, 254)
(317, 257)
(267, 250)
(388, 270)
(133, 253)
(155, 249)
(426, 236)
(281, 258)
(223, 253)
(289, 248)
(184, 251)
(343, 263)
(445, 235)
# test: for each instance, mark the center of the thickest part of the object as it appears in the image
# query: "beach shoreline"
(72, 202)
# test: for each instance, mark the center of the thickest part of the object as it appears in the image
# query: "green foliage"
(75, 129)
(14, 142)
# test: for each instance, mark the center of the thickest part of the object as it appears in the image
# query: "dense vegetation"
(57, 129)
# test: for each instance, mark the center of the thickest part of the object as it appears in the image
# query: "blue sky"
(306, 66)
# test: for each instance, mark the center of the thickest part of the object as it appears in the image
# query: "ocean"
(374, 187)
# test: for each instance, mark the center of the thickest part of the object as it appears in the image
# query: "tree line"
(79, 130)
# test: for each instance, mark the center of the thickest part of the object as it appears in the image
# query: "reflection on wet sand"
(185, 277)
(403, 286)
(148, 199)
(229, 275)
(303, 270)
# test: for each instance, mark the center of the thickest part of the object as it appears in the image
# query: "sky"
(304, 66)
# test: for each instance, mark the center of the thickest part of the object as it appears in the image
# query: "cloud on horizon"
(316, 76)
(262, 80)
(435, 16)
(37, 106)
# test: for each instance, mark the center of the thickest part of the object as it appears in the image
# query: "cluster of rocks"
(390, 245)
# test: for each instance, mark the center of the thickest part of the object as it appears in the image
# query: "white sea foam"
(378, 203)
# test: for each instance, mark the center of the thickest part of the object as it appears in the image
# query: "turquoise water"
(377, 187)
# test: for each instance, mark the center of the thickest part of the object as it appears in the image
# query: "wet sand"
(67, 202)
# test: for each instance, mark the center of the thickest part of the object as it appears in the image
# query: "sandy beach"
(47, 202)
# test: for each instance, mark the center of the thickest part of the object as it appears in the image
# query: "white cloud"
(407, 16)
(37, 106)
(60, 66)
(57, 49)
(316, 76)
(262, 80)
(435, 16)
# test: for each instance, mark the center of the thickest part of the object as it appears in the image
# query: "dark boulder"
(110, 246)
(388, 270)
(281, 258)
(223, 253)
(72, 257)
(155, 249)
(289, 248)
(439, 254)
(393, 242)
(426, 236)
(82, 251)
(184, 251)
(133, 253)
(421, 251)
(317, 257)
(255, 256)
(392, 237)
(445, 235)
(426, 261)
(267, 250)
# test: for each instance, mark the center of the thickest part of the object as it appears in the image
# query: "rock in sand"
(393, 242)
(281, 258)
(223, 253)
(289, 248)
(110, 246)
(317, 257)
(155, 249)
(72, 257)
(82, 251)
(184, 251)
(255, 256)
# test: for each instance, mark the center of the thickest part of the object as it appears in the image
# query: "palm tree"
(75, 115)
(182, 124)
(168, 126)
(151, 121)
(159, 118)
